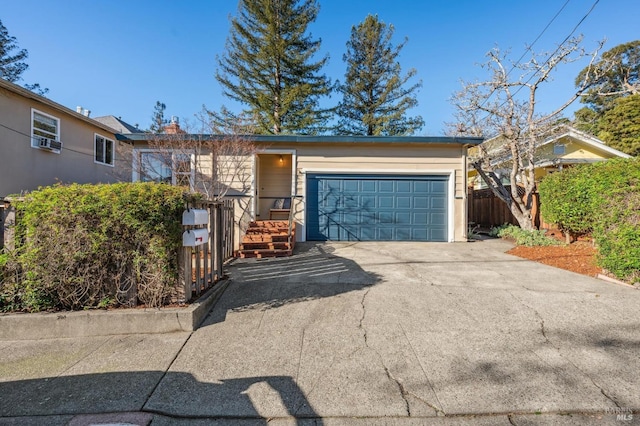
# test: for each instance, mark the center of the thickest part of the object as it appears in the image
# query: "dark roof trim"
(316, 139)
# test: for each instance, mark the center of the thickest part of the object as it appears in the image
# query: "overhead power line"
(548, 58)
(529, 48)
(66, 148)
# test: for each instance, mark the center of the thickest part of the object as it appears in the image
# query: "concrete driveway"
(411, 330)
(388, 333)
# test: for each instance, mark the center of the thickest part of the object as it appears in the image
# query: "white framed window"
(168, 166)
(559, 149)
(45, 131)
(103, 149)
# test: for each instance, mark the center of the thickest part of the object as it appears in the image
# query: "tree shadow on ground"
(175, 395)
(313, 272)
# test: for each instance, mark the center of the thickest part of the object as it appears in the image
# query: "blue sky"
(118, 57)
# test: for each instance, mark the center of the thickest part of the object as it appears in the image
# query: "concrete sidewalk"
(357, 333)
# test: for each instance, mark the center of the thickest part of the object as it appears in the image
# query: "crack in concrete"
(511, 421)
(439, 411)
(297, 404)
(364, 313)
(403, 391)
(557, 348)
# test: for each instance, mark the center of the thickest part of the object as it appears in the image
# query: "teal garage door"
(349, 207)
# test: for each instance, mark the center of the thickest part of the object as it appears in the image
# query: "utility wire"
(538, 38)
(30, 137)
(563, 42)
(528, 49)
(548, 59)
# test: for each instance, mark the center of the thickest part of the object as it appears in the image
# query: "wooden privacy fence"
(202, 264)
(486, 210)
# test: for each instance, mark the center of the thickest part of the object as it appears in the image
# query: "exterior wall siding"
(271, 179)
(26, 168)
(391, 159)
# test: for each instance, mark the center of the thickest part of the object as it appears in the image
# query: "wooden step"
(265, 238)
(284, 245)
(271, 224)
(268, 238)
(263, 253)
(267, 231)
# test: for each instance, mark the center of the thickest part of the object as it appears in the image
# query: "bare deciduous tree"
(505, 106)
(211, 160)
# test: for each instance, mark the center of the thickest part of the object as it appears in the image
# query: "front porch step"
(262, 253)
(268, 227)
(264, 238)
(283, 245)
(268, 238)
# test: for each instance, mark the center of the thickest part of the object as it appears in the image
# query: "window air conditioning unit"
(50, 144)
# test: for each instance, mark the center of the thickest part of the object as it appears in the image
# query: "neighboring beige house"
(342, 188)
(567, 148)
(43, 142)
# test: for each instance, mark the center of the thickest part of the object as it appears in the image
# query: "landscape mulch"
(579, 256)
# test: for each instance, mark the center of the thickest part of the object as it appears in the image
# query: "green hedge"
(85, 246)
(618, 234)
(601, 199)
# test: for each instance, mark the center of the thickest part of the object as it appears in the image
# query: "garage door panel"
(403, 202)
(402, 218)
(421, 187)
(421, 202)
(438, 187)
(404, 186)
(420, 235)
(369, 187)
(403, 234)
(386, 186)
(438, 203)
(385, 202)
(377, 207)
(420, 218)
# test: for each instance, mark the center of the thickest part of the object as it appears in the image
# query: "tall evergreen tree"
(269, 66)
(12, 65)
(376, 96)
(620, 125)
(613, 99)
(615, 75)
(157, 118)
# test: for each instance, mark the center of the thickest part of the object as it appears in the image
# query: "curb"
(615, 281)
(52, 325)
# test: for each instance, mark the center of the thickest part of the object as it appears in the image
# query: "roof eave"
(471, 141)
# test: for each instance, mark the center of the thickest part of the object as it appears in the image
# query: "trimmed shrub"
(87, 246)
(618, 235)
(601, 199)
(525, 238)
(572, 198)
(565, 199)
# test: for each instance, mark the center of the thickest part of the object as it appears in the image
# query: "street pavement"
(357, 333)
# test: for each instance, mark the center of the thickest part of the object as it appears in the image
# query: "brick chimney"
(173, 128)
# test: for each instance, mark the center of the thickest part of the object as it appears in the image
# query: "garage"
(363, 207)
